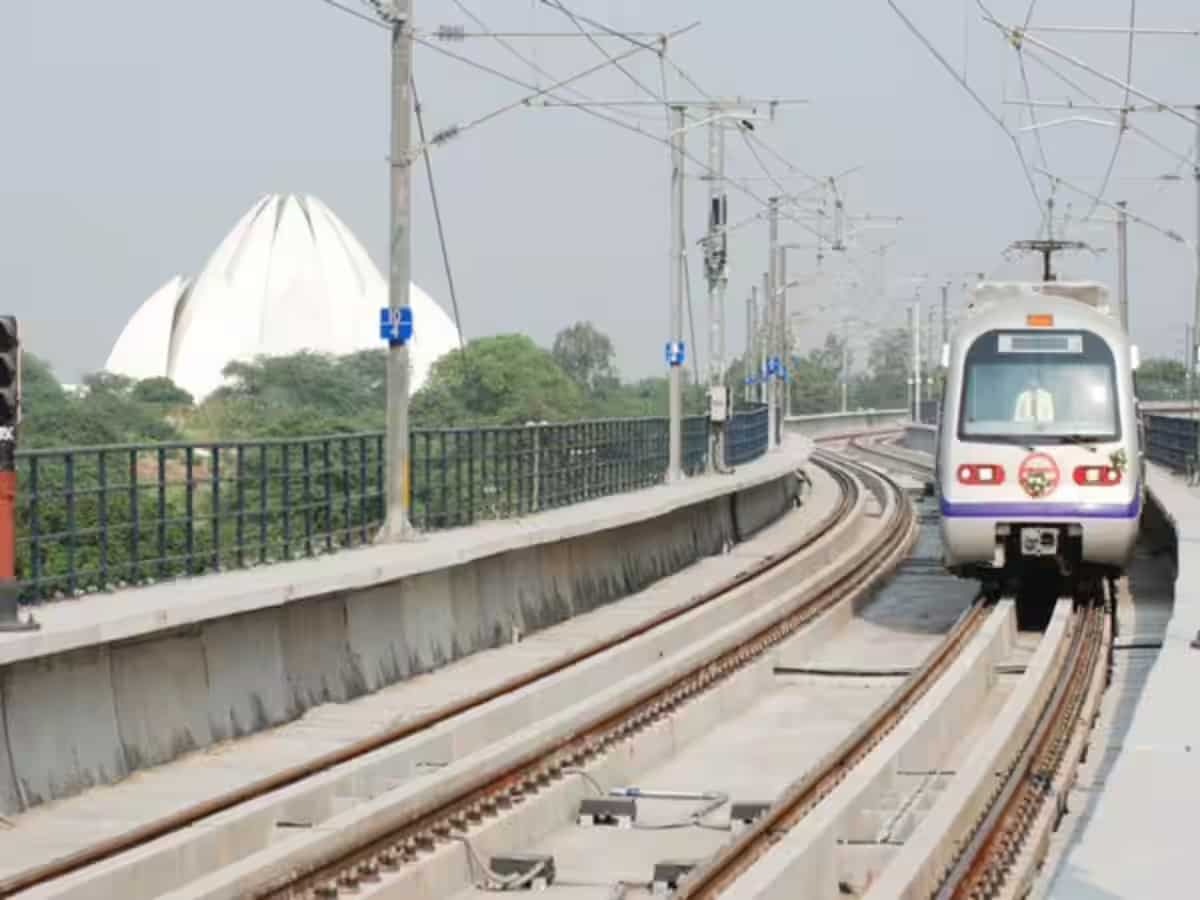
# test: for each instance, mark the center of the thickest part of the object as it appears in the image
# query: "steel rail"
(804, 795)
(982, 868)
(166, 825)
(420, 830)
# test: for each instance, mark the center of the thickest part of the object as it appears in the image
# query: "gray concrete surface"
(917, 869)
(115, 683)
(50, 830)
(826, 424)
(608, 682)
(921, 438)
(1136, 804)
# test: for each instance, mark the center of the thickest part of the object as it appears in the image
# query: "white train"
(1039, 451)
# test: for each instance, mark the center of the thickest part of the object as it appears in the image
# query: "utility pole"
(751, 342)
(716, 268)
(930, 356)
(1194, 346)
(772, 319)
(397, 524)
(675, 348)
(945, 313)
(784, 391)
(845, 363)
(763, 342)
(1123, 264)
(916, 355)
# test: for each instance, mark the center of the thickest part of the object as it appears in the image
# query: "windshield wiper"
(1083, 440)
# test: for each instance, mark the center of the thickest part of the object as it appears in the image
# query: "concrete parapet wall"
(74, 714)
(823, 424)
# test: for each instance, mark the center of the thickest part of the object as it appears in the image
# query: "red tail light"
(1097, 476)
(980, 473)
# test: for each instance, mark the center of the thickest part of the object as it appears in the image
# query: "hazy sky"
(136, 133)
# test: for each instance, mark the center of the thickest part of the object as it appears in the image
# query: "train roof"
(1090, 293)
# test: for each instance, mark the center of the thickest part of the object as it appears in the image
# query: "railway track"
(422, 827)
(418, 831)
(997, 852)
(392, 842)
(1002, 854)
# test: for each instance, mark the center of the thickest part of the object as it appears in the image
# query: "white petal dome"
(142, 347)
(289, 277)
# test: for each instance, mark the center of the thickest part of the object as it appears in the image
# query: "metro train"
(1039, 469)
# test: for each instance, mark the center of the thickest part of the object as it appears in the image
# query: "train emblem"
(1038, 475)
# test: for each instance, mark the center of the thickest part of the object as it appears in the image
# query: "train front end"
(1039, 462)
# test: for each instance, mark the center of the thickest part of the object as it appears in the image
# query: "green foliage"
(128, 516)
(586, 355)
(299, 395)
(107, 411)
(885, 384)
(816, 378)
(1161, 379)
(501, 380)
(160, 391)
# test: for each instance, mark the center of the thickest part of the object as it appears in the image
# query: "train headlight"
(1097, 476)
(980, 473)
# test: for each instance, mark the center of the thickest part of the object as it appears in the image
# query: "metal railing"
(1174, 442)
(97, 518)
(746, 435)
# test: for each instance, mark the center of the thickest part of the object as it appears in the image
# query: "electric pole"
(773, 320)
(763, 339)
(397, 524)
(675, 348)
(716, 268)
(1194, 347)
(845, 363)
(946, 313)
(916, 355)
(751, 342)
(1123, 264)
(784, 391)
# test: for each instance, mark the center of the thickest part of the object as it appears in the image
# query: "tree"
(502, 380)
(586, 354)
(885, 384)
(160, 391)
(300, 394)
(1161, 379)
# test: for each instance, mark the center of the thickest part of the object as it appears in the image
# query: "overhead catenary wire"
(1129, 126)
(1169, 233)
(1123, 124)
(437, 215)
(520, 102)
(578, 23)
(1014, 34)
(1016, 144)
(632, 127)
(503, 42)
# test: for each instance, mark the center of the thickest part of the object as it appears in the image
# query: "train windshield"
(1047, 387)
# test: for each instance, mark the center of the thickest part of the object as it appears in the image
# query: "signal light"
(980, 473)
(1039, 320)
(1097, 476)
(10, 372)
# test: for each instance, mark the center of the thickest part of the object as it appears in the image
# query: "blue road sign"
(396, 325)
(676, 351)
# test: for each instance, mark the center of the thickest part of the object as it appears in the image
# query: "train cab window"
(1046, 386)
